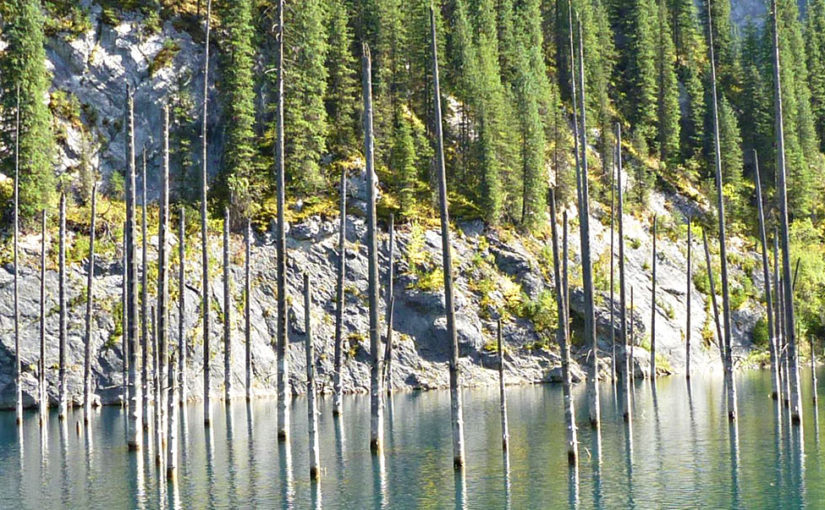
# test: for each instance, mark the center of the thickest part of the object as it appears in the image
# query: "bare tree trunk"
(565, 274)
(505, 435)
(612, 303)
(248, 309)
(18, 381)
(227, 313)
(62, 403)
(144, 304)
(390, 304)
(87, 358)
(456, 407)
(376, 407)
(207, 352)
(779, 324)
(44, 397)
(653, 311)
(312, 412)
(782, 191)
(339, 298)
(163, 280)
(723, 257)
(134, 423)
(283, 365)
(766, 274)
(719, 339)
(689, 286)
(627, 411)
(125, 315)
(182, 306)
(172, 421)
(813, 370)
(156, 390)
(632, 340)
(562, 339)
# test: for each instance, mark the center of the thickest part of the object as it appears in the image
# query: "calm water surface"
(679, 453)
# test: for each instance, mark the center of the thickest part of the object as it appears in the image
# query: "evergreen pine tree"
(641, 78)
(815, 39)
(342, 92)
(402, 164)
(668, 91)
(731, 149)
(689, 45)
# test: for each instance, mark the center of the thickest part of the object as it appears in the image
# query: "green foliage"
(761, 336)
(164, 57)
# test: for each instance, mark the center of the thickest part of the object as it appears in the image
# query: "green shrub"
(761, 337)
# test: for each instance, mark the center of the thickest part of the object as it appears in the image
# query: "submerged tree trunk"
(312, 412)
(18, 381)
(766, 274)
(125, 315)
(144, 305)
(632, 340)
(207, 352)
(87, 354)
(388, 350)
(41, 374)
(505, 435)
(156, 390)
(182, 344)
(565, 273)
(612, 283)
(626, 411)
(227, 313)
(163, 279)
(653, 311)
(339, 297)
(172, 420)
(782, 191)
(562, 339)
(813, 370)
(390, 303)
(456, 407)
(784, 383)
(248, 308)
(283, 364)
(689, 286)
(134, 424)
(62, 403)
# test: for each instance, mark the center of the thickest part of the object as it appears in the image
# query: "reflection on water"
(679, 451)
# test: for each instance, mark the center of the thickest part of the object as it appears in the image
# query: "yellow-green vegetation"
(164, 57)
(355, 341)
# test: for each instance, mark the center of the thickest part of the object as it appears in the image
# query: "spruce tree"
(731, 147)
(815, 39)
(342, 85)
(23, 64)
(667, 112)
(402, 164)
(689, 45)
(641, 78)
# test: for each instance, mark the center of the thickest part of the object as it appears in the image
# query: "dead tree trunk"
(689, 285)
(653, 311)
(627, 411)
(612, 303)
(766, 274)
(62, 403)
(125, 315)
(207, 352)
(163, 280)
(144, 304)
(134, 423)
(248, 308)
(172, 421)
(505, 435)
(784, 383)
(390, 303)
(565, 273)
(18, 381)
(456, 407)
(562, 339)
(782, 192)
(813, 370)
(339, 296)
(182, 306)
(312, 412)
(388, 350)
(87, 354)
(632, 340)
(283, 365)
(227, 313)
(720, 206)
(41, 374)
(719, 339)
(376, 411)
(156, 390)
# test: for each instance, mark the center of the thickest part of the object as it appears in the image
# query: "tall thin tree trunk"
(312, 412)
(784, 384)
(283, 364)
(156, 390)
(688, 286)
(172, 420)
(766, 274)
(562, 339)
(125, 315)
(388, 351)
(248, 308)
(339, 296)
(627, 410)
(144, 303)
(720, 206)
(62, 403)
(227, 313)
(565, 273)
(719, 339)
(44, 397)
(612, 303)
(163, 279)
(207, 352)
(653, 311)
(182, 344)
(376, 410)
(813, 370)
(87, 354)
(782, 191)
(390, 303)
(505, 435)
(456, 407)
(632, 340)
(134, 434)
(18, 381)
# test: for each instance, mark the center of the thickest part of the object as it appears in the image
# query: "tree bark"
(18, 381)
(144, 305)
(339, 297)
(44, 397)
(390, 303)
(125, 315)
(505, 435)
(312, 412)
(653, 311)
(62, 403)
(689, 286)
(182, 344)
(766, 274)
(248, 308)
(813, 371)
(632, 340)
(156, 390)
(456, 407)
(719, 338)
(612, 303)
(627, 410)
(782, 191)
(163, 283)
(134, 387)
(207, 352)
(784, 389)
(172, 421)
(87, 354)
(227, 313)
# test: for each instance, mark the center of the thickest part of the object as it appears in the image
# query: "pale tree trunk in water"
(227, 313)
(62, 403)
(653, 311)
(766, 274)
(782, 192)
(182, 344)
(339, 296)
(144, 307)
(505, 435)
(456, 407)
(626, 411)
(87, 358)
(779, 323)
(248, 308)
(134, 423)
(813, 370)
(688, 287)
(207, 352)
(44, 397)
(125, 316)
(562, 339)
(719, 339)
(156, 390)
(163, 282)
(390, 304)
(612, 301)
(312, 412)
(18, 381)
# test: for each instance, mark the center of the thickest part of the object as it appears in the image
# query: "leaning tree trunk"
(456, 407)
(505, 435)
(720, 206)
(390, 304)
(18, 381)
(376, 411)
(590, 336)
(626, 412)
(653, 311)
(144, 304)
(134, 435)
(283, 365)
(719, 339)
(87, 354)
(339, 296)
(182, 344)
(565, 281)
(312, 412)
(227, 310)
(766, 274)
(562, 339)
(207, 352)
(163, 282)
(248, 308)
(62, 403)
(41, 374)
(689, 285)
(782, 191)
